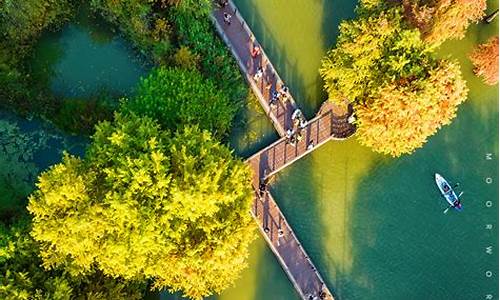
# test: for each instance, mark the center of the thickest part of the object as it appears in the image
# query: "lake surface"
(86, 57)
(81, 60)
(374, 225)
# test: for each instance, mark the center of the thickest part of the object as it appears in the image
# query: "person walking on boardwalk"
(255, 51)
(258, 74)
(283, 93)
(227, 18)
(281, 234)
(222, 3)
(262, 188)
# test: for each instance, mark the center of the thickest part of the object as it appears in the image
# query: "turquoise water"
(28, 147)
(86, 58)
(375, 225)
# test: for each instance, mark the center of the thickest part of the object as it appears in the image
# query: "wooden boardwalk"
(241, 41)
(282, 153)
(325, 126)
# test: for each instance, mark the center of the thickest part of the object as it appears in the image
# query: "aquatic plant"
(18, 171)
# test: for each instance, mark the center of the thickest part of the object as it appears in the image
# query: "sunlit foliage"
(439, 20)
(22, 276)
(401, 93)
(398, 118)
(177, 97)
(485, 60)
(145, 204)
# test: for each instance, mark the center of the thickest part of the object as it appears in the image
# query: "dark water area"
(86, 58)
(28, 147)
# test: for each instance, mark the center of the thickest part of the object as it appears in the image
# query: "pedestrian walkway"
(295, 142)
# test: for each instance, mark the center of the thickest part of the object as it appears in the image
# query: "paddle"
(446, 210)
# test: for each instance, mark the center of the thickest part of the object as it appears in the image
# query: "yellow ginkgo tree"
(147, 204)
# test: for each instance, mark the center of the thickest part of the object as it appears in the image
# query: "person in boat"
(446, 188)
(456, 203)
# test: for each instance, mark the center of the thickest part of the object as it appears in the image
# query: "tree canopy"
(22, 277)
(147, 204)
(439, 20)
(485, 61)
(401, 93)
(178, 97)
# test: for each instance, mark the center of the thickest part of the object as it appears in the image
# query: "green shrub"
(196, 32)
(177, 97)
(185, 59)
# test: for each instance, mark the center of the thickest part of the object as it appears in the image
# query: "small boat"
(448, 192)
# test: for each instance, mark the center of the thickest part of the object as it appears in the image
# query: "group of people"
(294, 134)
(281, 94)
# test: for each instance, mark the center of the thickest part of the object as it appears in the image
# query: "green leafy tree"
(21, 23)
(145, 204)
(22, 276)
(401, 93)
(177, 97)
(143, 21)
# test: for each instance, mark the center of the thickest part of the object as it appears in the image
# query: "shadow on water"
(296, 195)
(335, 12)
(278, 55)
(252, 129)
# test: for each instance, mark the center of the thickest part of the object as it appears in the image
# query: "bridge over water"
(331, 122)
